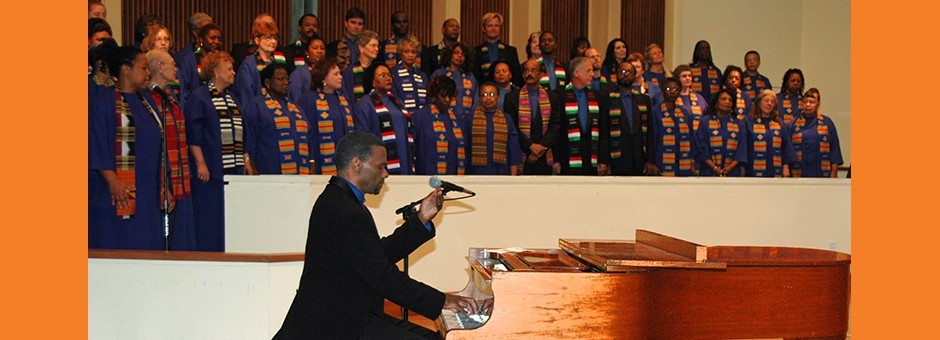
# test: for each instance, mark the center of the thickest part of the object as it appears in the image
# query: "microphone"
(448, 186)
(156, 88)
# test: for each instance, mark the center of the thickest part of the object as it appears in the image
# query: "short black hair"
(96, 25)
(267, 72)
(369, 75)
(143, 22)
(301, 20)
(355, 12)
(442, 84)
(356, 144)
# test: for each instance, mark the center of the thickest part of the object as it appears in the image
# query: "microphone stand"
(167, 240)
(407, 212)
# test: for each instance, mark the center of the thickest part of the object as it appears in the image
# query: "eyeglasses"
(383, 75)
(268, 37)
(488, 94)
(672, 88)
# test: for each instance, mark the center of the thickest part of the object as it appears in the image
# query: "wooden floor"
(394, 310)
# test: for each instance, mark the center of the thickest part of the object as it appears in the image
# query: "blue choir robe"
(426, 156)
(654, 78)
(262, 136)
(350, 83)
(247, 80)
(410, 87)
(308, 104)
(706, 81)
(657, 149)
(203, 129)
(467, 88)
(752, 85)
(784, 150)
(299, 83)
(187, 72)
(811, 161)
(144, 230)
(742, 107)
(513, 151)
(655, 93)
(697, 110)
(789, 107)
(367, 119)
(705, 151)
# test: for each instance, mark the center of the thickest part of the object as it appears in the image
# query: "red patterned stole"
(722, 144)
(389, 138)
(176, 147)
(478, 146)
(325, 129)
(124, 150)
(759, 137)
(525, 115)
(443, 147)
(300, 53)
(574, 127)
(232, 132)
(822, 130)
(676, 142)
(292, 136)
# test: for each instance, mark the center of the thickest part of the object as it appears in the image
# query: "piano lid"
(649, 250)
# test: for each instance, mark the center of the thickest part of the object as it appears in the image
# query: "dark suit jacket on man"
(511, 106)
(509, 54)
(633, 142)
(349, 271)
(562, 147)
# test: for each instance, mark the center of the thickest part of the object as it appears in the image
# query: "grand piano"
(654, 287)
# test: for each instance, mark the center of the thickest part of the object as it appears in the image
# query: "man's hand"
(431, 205)
(460, 304)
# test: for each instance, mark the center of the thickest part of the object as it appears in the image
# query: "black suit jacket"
(430, 56)
(509, 54)
(511, 106)
(562, 147)
(349, 271)
(633, 142)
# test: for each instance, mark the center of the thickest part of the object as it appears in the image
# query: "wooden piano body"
(656, 287)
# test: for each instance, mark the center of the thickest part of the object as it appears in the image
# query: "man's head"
(547, 43)
(308, 26)
(626, 74)
(355, 21)
(582, 71)
(751, 61)
(492, 25)
(595, 56)
(451, 29)
(400, 24)
(532, 72)
(361, 160)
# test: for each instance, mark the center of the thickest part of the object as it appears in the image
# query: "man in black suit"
(431, 57)
(349, 271)
(538, 122)
(582, 146)
(629, 118)
(494, 49)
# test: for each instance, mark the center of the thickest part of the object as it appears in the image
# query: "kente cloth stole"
(412, 86)
(525, 115)
(478, 147)
(787, 112)
(467, 96)
(389, 138)
(276, 57)
(124, 151)
(751, 85)
(300, 53)
(824, 152)
(199, 56)
(176, 147)
(677, 143)
(574, 127)
(759, 138)
(443, 146)
(391, 52)
(486, 62)
(560, 75)
(358, 76)
(292, 136)
(695, 108)
(740, 105)
(325, 129)
(230, 121)
(723, 144)
(698, 81)
(616, 129)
